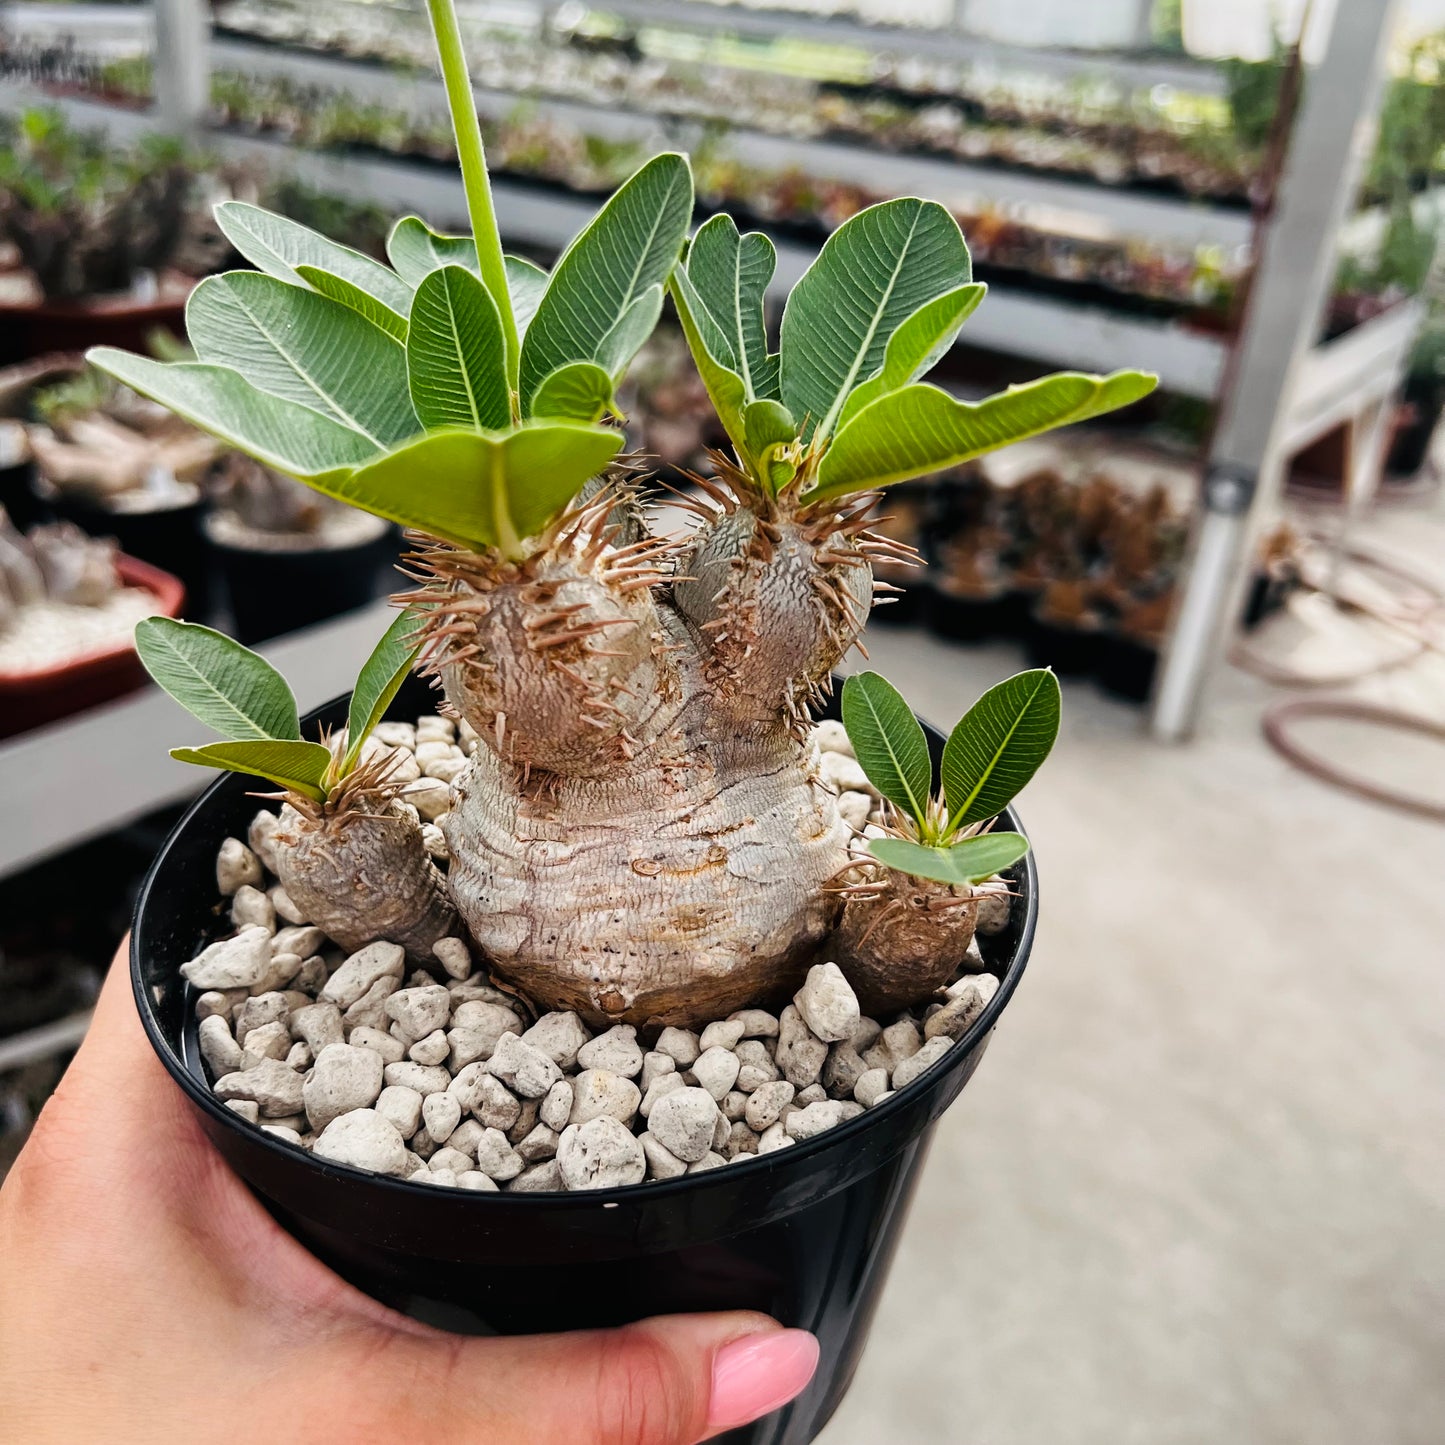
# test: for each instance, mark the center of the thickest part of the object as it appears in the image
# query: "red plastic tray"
(31, 698)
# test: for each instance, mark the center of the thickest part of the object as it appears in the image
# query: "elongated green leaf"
(281, 248)
(416, 250)
(582, 391)
(999, 744)
(975, 860)
(527, 283)
(455, 355)
(629, 247)
(306, 348)
(291, 438)
(338, 288)
(923, 429)
(616, 350)
(889, 742)
(295, 765)
(731, 274)
(229, 688)
(917, 345)
(483, 490)
(873, 273)
(381, 675)
(709, 346)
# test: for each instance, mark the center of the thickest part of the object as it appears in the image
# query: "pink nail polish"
(757, 1374)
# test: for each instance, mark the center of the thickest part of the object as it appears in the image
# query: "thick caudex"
(643, 833)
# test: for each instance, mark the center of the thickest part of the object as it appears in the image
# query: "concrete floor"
(1196, 1192)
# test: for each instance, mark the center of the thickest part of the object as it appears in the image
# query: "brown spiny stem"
(357, 867)
(900, 938)
(643, 833)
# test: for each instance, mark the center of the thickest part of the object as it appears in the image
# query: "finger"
(675, 1380)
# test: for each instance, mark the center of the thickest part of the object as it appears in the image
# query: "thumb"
(675, 1380)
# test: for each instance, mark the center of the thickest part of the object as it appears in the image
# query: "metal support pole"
(182, 64)
(1332, 140)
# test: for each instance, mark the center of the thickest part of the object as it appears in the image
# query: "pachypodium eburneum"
(642, 834)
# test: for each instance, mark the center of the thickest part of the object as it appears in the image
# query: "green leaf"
(291, 438)
(917, 345)
(338, 288)
(616, 350)
(923, 429)
(630, 246)
(527, 282)
(483, 490)
(295, 765)
(730, 274)
(229, 688)
(377, 683)
(581, 391)
(455, 356)
(281, 248)
(975, 860)
(769, 427)
(305, 348)
(416, 250)
(873, 273)
(708, 346)
(999, 744)
(889, 742)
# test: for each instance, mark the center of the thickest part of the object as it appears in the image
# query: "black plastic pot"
(272, 592)
(1421, 403)
(1070, 651)
(17, 494)
(905, 608)
(1126, 667)
(805, 1234)
(968, 619)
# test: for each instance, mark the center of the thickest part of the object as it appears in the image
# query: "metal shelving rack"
(83, 777)
(62, 786)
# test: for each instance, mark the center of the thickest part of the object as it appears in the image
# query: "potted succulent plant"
(68, 605)
(118, 465)
(290, 557)
(643, 855)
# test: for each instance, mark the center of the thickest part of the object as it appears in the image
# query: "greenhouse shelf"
(1015, 322)
(1134, 71)
(1089, 208)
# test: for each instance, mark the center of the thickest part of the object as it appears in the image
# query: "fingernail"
(758, 1374)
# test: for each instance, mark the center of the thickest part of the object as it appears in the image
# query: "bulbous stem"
(900, 938)
(776, 602)
(365, 875)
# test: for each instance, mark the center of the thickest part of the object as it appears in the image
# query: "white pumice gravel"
(827, 1003)
(603, 1153)
(439, 1076)
(342, 1079)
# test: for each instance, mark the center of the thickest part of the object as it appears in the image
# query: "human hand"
(146, 1296)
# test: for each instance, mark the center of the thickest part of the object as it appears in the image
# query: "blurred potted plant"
(289, 556)
(120, 466)
(97, 231)
(68, 606)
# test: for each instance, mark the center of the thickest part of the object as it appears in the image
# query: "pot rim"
(567, 1200)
